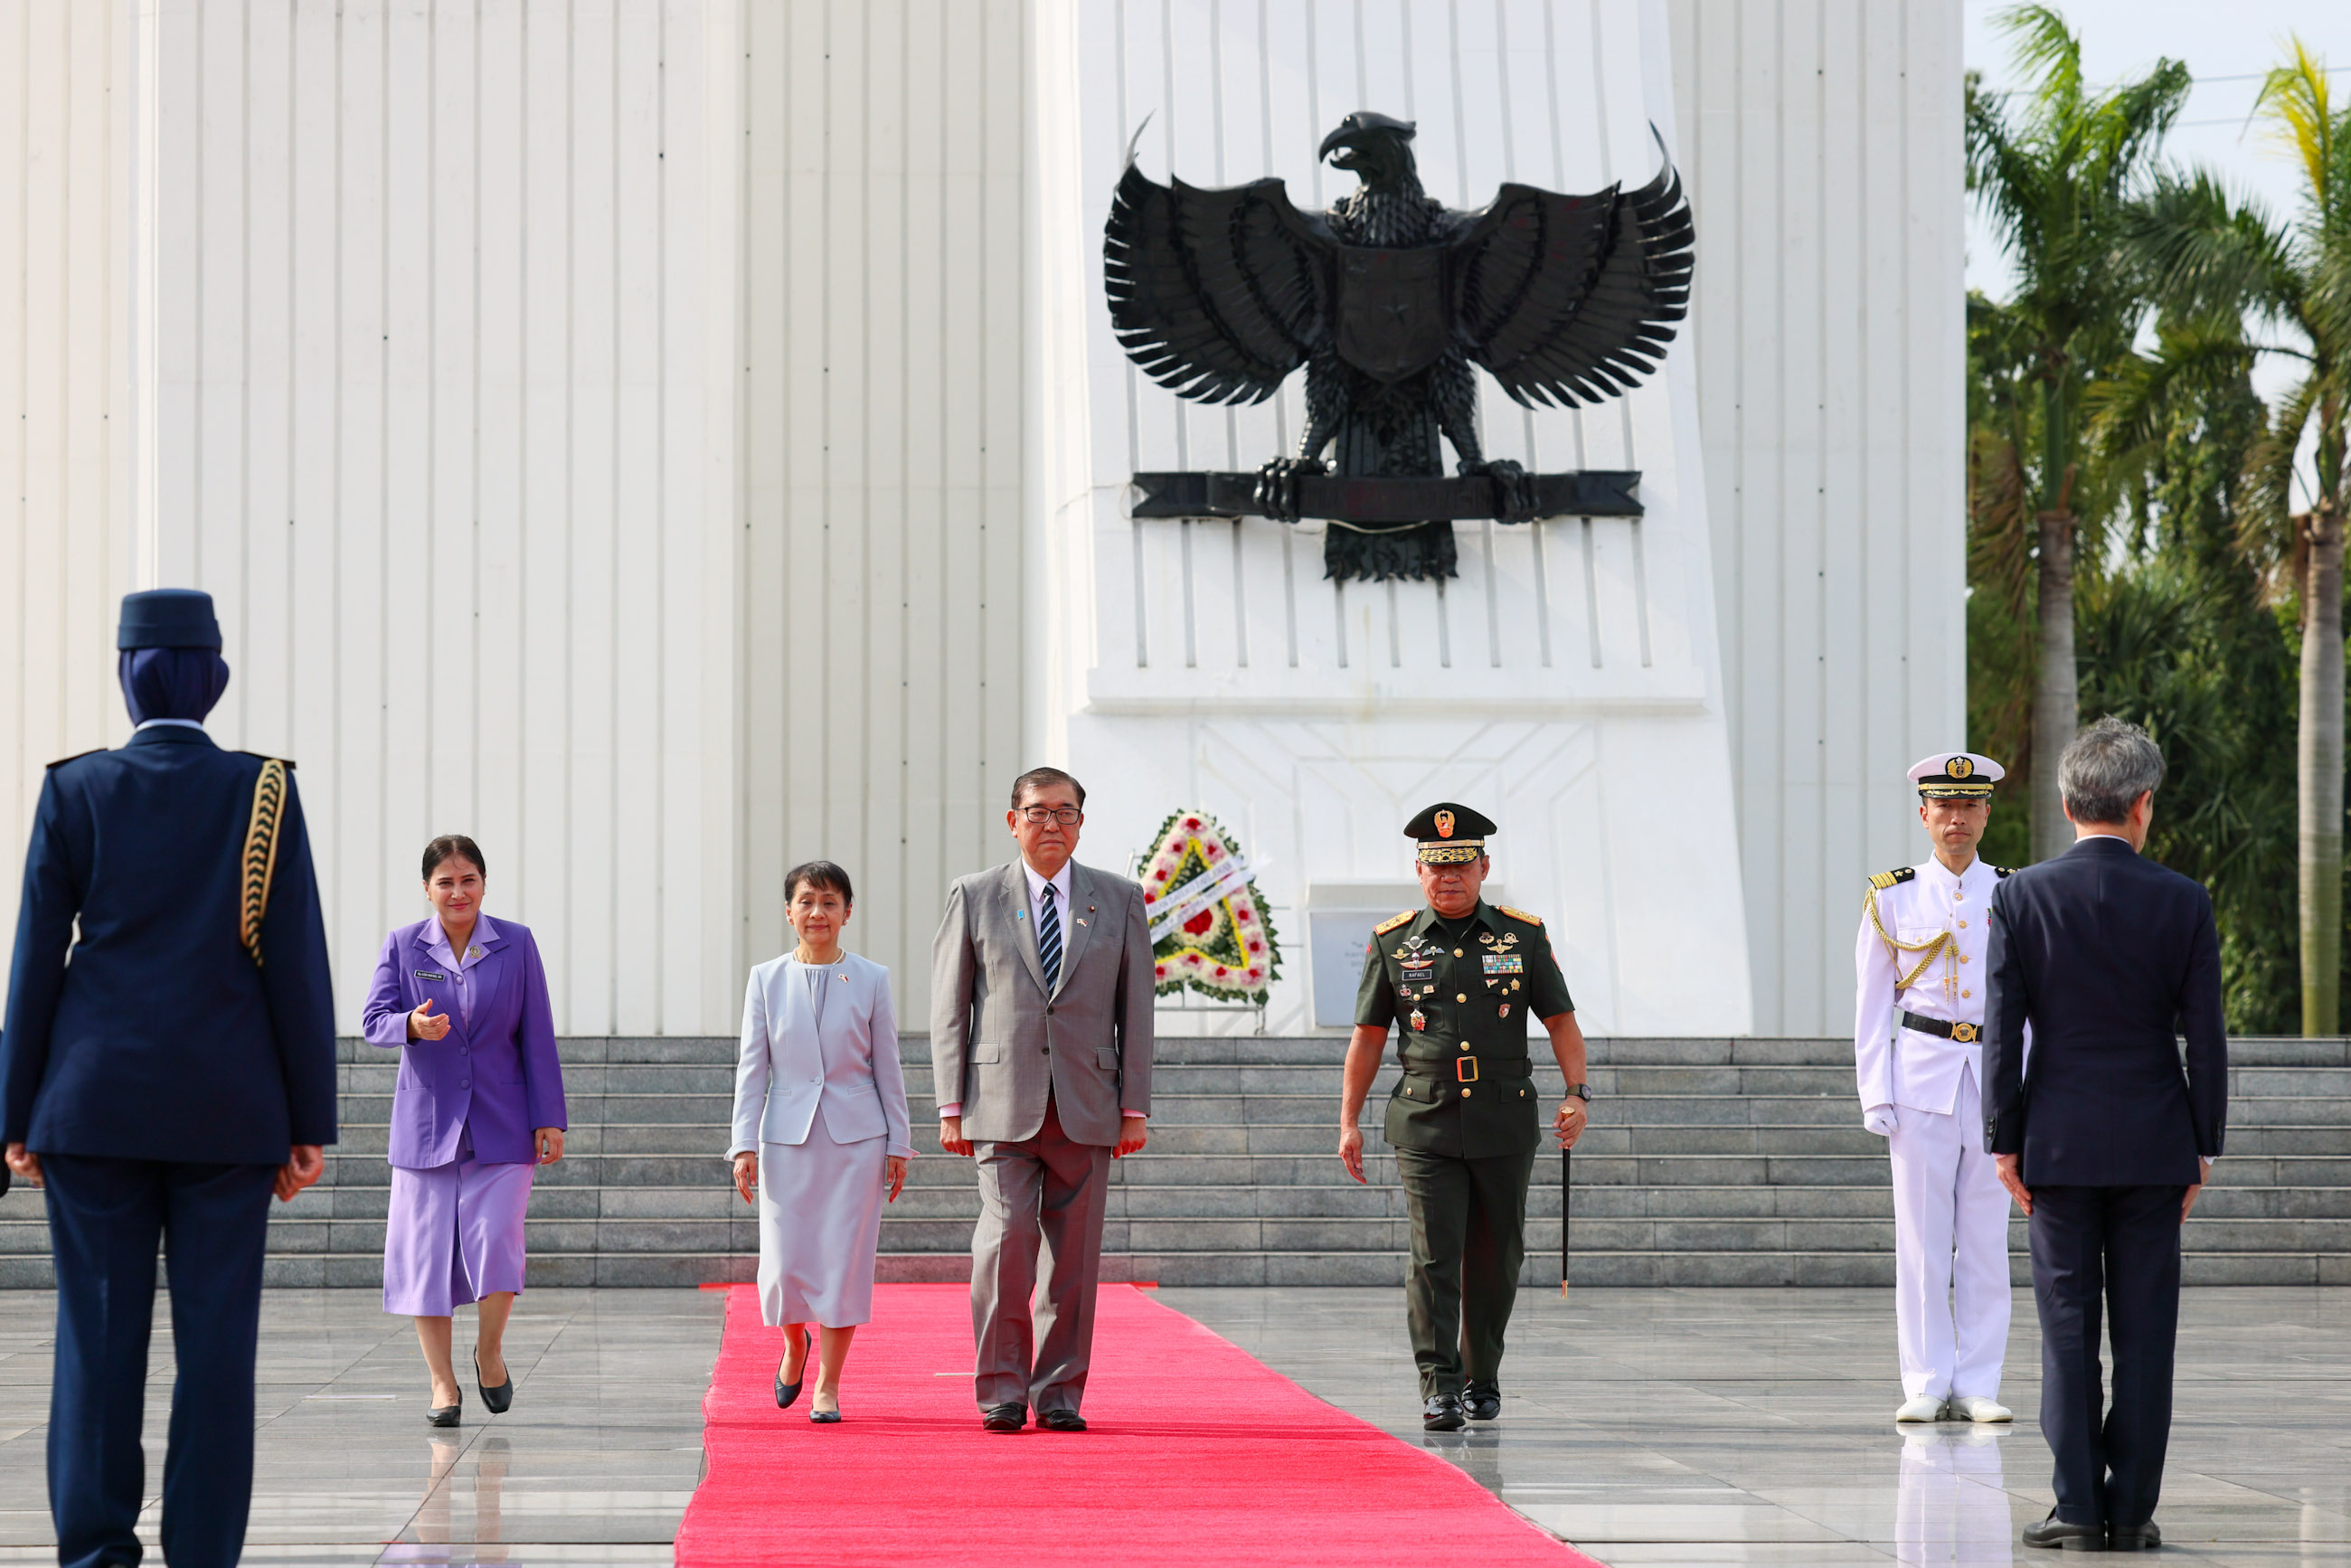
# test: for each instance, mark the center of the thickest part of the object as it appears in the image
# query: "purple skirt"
(455, 1235)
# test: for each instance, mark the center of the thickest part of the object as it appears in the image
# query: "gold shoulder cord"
(1939, 943)
(259, 863)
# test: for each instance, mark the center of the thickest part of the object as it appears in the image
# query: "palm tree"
(2060, 168)
(2213, 257)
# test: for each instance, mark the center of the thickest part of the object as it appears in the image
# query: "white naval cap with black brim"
(1956, 776)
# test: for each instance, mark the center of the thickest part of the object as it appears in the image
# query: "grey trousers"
(1050, 1190)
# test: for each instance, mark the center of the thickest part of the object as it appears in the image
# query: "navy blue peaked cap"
(168, 618)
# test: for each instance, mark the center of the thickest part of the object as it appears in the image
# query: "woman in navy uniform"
(188, 871)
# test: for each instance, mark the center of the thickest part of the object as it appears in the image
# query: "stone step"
(1592, 1268)
(2250, 1050)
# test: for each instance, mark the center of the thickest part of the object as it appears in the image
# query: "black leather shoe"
(1061, 1421)
(824, 1418)
(444, 1415)
(1441, 1413)
(499, 1399)
(1005, 1417)
(2134, 1537)
(1482, 1401)
(787, 1392)
(2053, 1535)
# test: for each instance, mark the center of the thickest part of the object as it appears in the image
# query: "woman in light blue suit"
(820, 1131)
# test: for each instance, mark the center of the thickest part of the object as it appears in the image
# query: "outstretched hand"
(304, 1163)
(2011, 1176)
(427, 1024)
(2188, 1204)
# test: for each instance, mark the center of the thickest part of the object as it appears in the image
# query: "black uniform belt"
(1467, 1069)
(1965, 1033)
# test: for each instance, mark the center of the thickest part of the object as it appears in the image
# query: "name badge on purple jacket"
(430, 975)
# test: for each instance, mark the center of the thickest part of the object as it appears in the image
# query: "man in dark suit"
(164, 1083)
(2103, 1140)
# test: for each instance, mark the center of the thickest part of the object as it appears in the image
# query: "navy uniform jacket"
(161, 1039)
(2112, 957)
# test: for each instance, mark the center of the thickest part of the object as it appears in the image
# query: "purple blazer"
(502, 1074)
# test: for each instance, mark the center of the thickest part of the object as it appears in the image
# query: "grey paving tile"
(1694, 1425)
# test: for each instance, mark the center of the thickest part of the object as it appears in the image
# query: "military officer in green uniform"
(1458, 979)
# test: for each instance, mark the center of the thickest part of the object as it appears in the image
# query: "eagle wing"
(1217, 294)
(1571, 300)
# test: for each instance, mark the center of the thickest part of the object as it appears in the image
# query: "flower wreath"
(1208, 927)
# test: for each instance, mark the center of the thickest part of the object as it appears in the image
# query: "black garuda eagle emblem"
(1387, 299)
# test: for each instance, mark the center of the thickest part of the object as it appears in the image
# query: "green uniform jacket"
(1463, 992)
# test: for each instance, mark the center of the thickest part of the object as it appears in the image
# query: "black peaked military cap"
(1449, 834)
(168, 618)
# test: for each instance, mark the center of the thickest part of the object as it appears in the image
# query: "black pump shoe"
(444, 1415)
(499, 1399)
(787, 1392)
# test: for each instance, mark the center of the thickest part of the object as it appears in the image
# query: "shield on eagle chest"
(1392, 317)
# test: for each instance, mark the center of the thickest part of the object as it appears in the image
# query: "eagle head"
(1375, 147)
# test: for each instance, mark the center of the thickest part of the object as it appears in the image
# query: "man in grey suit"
(1041, 990)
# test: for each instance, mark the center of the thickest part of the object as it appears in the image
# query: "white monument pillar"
(1567, 683)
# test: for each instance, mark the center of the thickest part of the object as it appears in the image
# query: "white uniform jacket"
(1898, 1066)
(791, 1064)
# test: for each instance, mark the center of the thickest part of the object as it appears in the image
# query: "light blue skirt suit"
(821, 1097)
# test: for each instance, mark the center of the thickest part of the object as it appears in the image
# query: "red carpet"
(1198, 1454)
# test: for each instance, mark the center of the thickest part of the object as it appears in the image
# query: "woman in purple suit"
(479, 1103)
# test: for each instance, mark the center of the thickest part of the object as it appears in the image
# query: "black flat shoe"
(1441, 1413)
(2053, 1535)
(787, 1392)
(1005, 1417)
(1482, 1401)
(444, 1415)
(2134, 1537)
(1061, 1421)
(499, 1399)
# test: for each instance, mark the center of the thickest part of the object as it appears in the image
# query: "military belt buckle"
(1465, 1070)
(1965, 1033)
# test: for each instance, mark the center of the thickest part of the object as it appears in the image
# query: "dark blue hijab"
(171, 683)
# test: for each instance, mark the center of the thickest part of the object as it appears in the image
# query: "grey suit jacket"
(999, 1042)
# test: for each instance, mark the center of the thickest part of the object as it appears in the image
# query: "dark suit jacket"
(161, 1039)
(2112, 957)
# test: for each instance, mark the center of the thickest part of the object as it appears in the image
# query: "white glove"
(1880, 1119)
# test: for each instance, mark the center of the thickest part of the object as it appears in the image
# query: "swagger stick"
(1566, 1191)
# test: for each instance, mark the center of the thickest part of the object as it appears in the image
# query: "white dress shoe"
(1920, 1408)
(1975, 1408)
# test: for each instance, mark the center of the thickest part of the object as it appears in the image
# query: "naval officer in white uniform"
(1918, 1057)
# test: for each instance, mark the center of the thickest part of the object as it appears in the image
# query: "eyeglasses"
(1038, 816)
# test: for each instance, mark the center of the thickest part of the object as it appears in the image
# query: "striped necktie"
(1049, 940)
